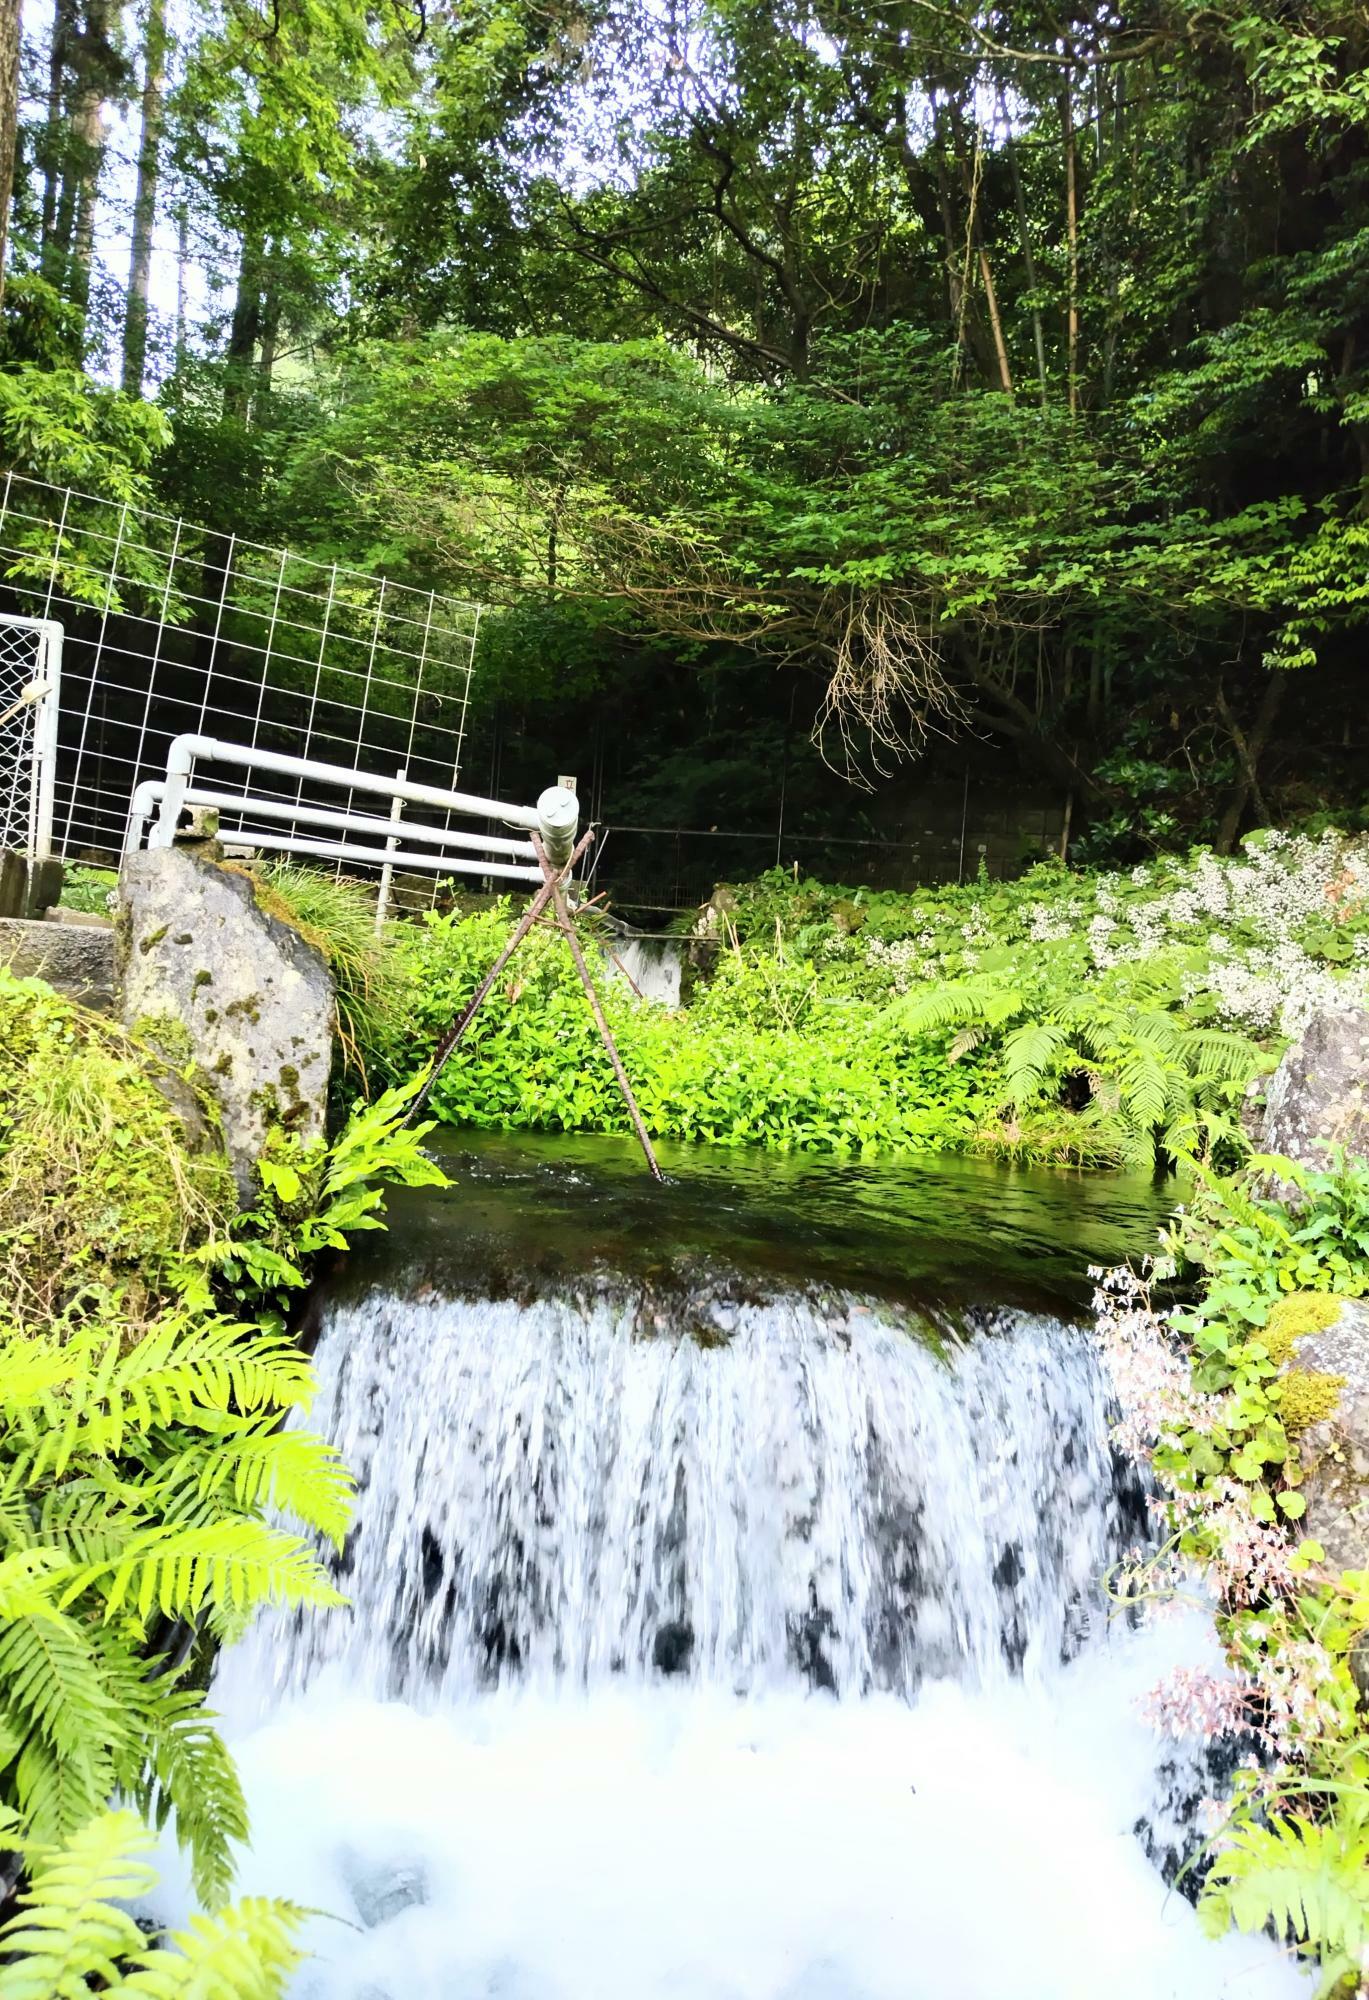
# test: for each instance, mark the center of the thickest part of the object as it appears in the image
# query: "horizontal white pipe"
(247, 807)
(337, 850)
(185, 750)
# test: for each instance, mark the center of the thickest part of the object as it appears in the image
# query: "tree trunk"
(1028, 259)
(270, 338)
(1072, 244)
(9, 116)
(1249, 750)
(145, 200)
(969, 179)
(59, 55)
(96, 70)
(243, 329)
(182, 286)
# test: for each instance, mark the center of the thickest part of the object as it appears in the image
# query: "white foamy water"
(718, 1651)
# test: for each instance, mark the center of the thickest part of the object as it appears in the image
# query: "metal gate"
(30, 694)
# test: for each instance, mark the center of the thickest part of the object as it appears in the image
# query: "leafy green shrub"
(533, 1059)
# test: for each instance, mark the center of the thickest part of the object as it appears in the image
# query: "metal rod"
(605, 1033)
(472, 1007)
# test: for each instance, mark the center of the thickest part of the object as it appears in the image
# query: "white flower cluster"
(1281, 988)
(1278, 886)
(903, 961)
(1047, 926)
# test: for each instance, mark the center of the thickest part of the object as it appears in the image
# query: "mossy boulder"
(252, 999)
(111, 1168)
(1322, 1346)
(1317, 1102)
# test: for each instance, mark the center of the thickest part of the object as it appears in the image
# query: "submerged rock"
(211, 978)
(382, 1891)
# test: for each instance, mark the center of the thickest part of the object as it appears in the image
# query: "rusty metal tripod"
(552, 892)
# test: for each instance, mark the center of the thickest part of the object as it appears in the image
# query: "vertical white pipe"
(387, 872)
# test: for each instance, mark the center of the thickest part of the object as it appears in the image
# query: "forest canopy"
(953, 382)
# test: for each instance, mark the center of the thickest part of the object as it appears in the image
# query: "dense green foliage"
(1078, 1018)
(1003, 379)
(144, 1372)
(1211, 1401)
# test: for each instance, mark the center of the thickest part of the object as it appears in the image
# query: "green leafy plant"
(72, 1936)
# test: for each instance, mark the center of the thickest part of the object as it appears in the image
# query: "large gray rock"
(1318, 1097)
(1325, 1374)
(209, 976)
(78, 960)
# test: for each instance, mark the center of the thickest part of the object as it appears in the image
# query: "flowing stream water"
(725, 1613)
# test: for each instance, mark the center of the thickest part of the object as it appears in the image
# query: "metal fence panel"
(173, 627)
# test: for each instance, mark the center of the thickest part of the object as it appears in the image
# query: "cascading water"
(718, 1642)
(797, 1487)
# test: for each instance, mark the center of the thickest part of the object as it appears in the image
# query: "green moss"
(152, 939)
(202, 978)
(169, 1036)
(1299, 1313)
(102, 1192)
(289, 1077)
(1308, 1396)
(224, 1065)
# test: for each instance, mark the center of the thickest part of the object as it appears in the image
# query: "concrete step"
(76, 959)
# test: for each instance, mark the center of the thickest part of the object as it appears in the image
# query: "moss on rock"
(1309, 1396)
(102, 1190)
(1299, 1313)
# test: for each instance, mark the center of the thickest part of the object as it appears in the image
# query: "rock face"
(1318, 1098)
(1325, 1373)
(210, 977)
(78, 960)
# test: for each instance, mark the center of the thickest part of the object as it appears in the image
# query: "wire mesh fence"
(173, 627)
(655, 871)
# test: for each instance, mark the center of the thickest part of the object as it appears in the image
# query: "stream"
(725, 1613)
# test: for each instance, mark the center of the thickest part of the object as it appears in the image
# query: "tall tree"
(145, 198)
(10, 49)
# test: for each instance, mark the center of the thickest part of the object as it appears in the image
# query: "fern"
(1163, 1085)
(1307, 1880)
(70, 1930)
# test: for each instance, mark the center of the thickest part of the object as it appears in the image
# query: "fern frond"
(1307, 1879)
(26, 1582)
(49, 1673)
(1146, 1089)
(292, 1472)
(1027, 1055)
(68, 1931)
(178, 1571)
(1218, 1053)
(191, 1775)
(957, 1003)
(248, 1951)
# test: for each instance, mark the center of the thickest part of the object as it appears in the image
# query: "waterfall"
(652, 965)
(725, 1642)
(738, 1492)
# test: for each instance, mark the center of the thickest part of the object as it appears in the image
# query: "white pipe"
(437, 864)
(387, 872)
(549, 817)
(247, 807)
